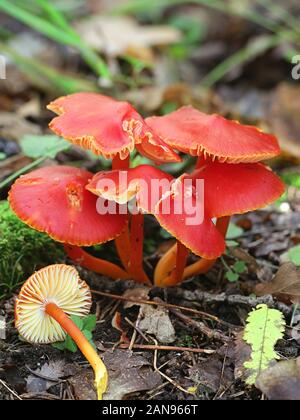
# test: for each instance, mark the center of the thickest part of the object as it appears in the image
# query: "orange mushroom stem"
(136, 249)
(83, 344)
(171, 269)
(98, 265)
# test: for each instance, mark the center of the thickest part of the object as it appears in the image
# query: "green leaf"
(60, 345)
(89, 322)
(35, 146)
(234, 231)
(264, 328)
(70, 344)
(294, 255)
(231, 244)
(239, 267)
(77, 321)
(2, 156)
(232, 276)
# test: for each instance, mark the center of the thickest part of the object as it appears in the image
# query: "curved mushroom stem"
(202, 266)
(106, 268)
(136, 249)
(174, 260)
(122, 242)
(101, 376)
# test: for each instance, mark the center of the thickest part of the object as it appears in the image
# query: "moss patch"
(22, 250)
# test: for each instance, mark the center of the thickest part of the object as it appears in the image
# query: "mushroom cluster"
(64, 201)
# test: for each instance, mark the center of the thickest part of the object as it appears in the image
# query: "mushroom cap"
(59, 284)
(54, 200)
(106, 127)
(228, 189)
(214, 136)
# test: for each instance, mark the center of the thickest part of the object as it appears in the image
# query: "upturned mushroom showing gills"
(54, 200)
(228, 189)
(212, 138)
(42, 311)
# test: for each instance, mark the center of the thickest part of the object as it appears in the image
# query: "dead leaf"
(242, 354)
(117, 324)
(281, 381)
(46, 376)
(138, 293)
(83, 385)
(156, 321)
(103, 34)
(284, 117)
(286, 282)
(128, 373)
(215, 373)
(14, 127)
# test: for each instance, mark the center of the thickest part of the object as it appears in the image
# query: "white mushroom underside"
(59, 284)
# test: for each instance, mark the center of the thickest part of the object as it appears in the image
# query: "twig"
(200, 326)
(137, 329)
(210, 299)
(163, 374)
(10, 390)
(166, 348)
(164, 304)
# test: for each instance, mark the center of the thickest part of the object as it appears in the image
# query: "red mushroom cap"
(54, 200)
(106, 127)
(196, 133)
(153, 188)
(237, 189)
(228, 189)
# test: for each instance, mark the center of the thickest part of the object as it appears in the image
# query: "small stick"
(200, 326)
(167, 348)
(137, 329)
(10, 390)
(164, 304)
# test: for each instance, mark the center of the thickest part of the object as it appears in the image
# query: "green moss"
(22, 251)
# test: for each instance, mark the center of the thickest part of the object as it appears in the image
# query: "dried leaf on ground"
(83, 385)
(156, 321)
(46, 376)
(138, 293)
(284, 117)
(242, 353)
(14, 127)
(128, 373)
(286, 282)
(215, 373)
(103, 34)
(281, 381)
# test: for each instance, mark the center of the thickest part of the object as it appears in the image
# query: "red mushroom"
(211, 138)
(136, 182)
(42, 311)
(214, 137)
(54, 200)
(229, 189)
(111, 129)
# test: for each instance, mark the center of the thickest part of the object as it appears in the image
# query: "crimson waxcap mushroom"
(213, 136)
(54, 200)
(107, 127)
(59, 284)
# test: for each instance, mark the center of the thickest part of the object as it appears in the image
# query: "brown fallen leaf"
(128, 373)
(138, 293)
(285, 283)
(103, 34)
(43, 378)
(284, 117)
(14, 127)
(281, 381)
(242, 354)
(83, 385)
(156, 321)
